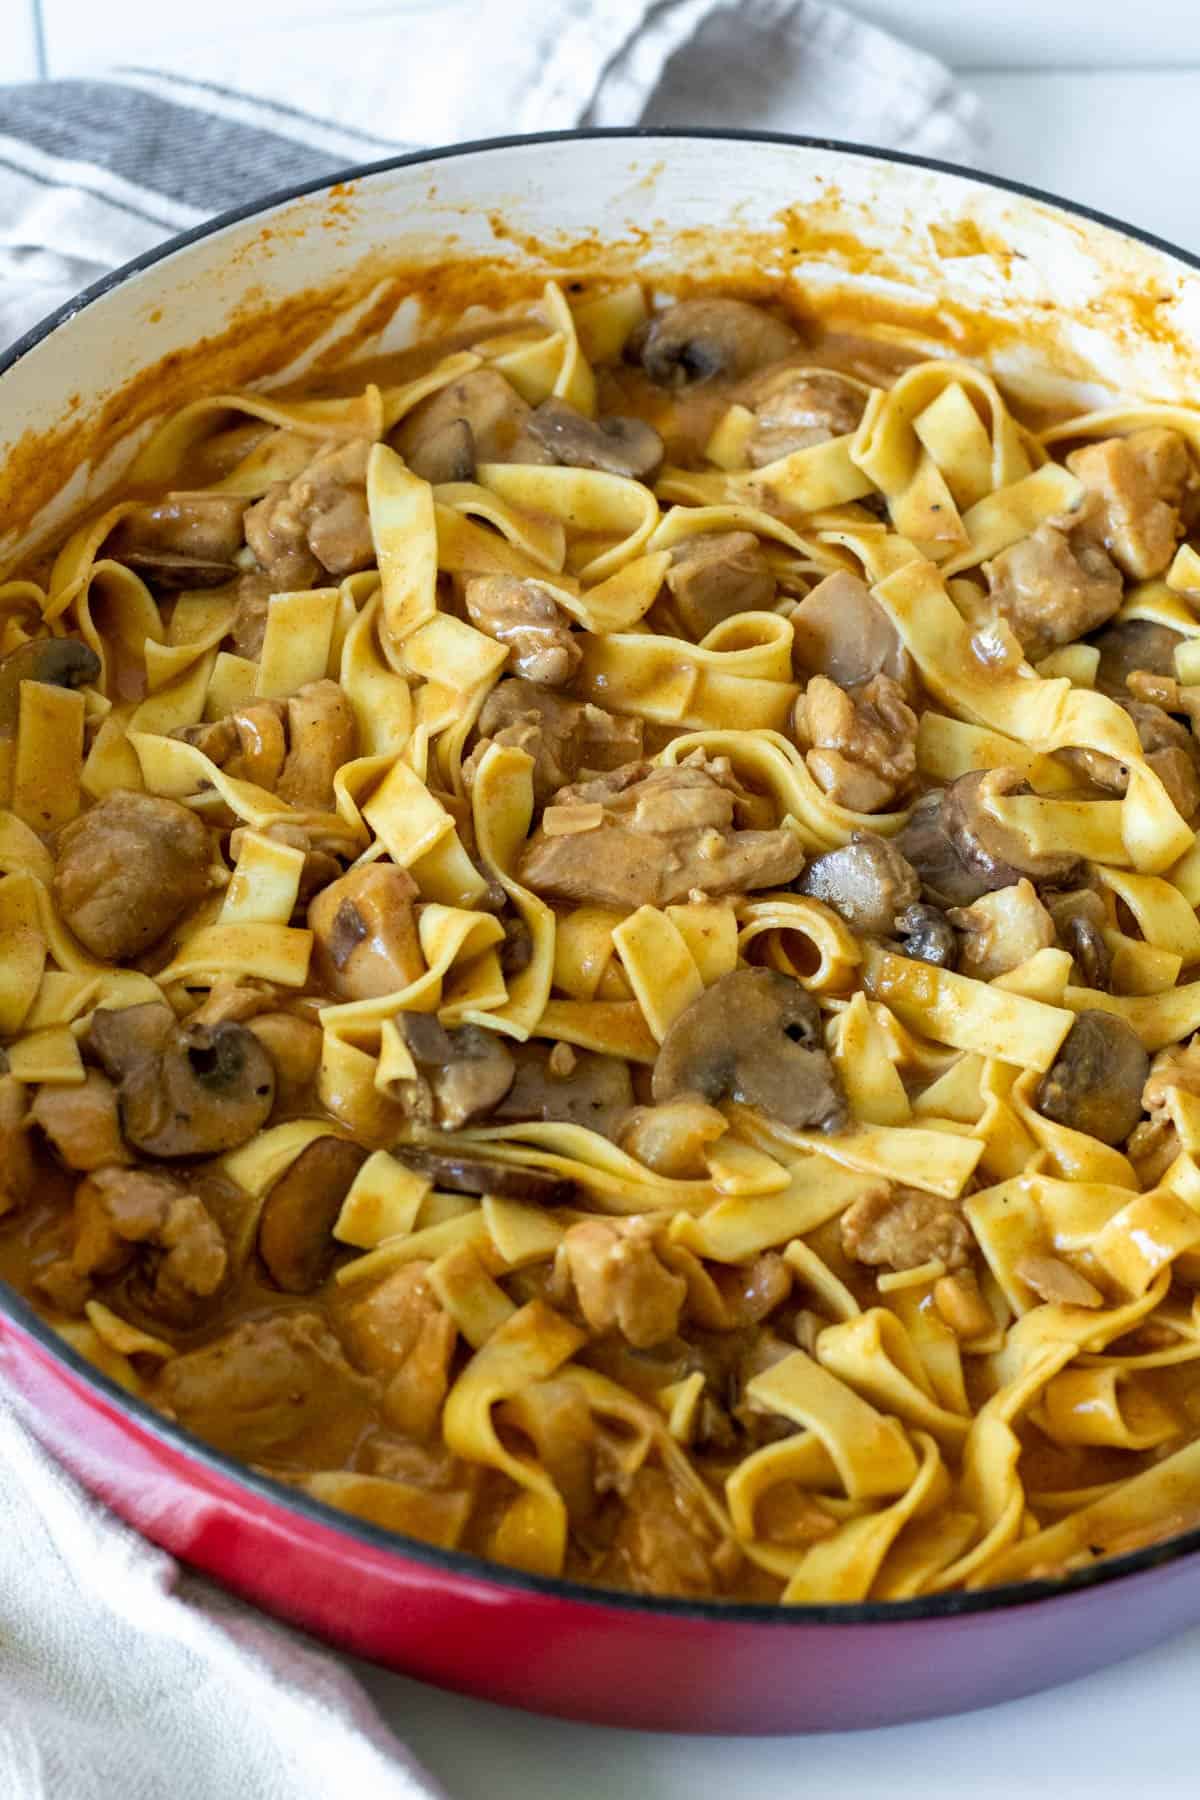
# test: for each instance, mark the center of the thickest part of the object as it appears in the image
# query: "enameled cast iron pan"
(308, 278)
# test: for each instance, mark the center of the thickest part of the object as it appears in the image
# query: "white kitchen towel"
(119, 1676)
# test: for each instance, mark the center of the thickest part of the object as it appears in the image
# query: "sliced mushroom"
(1095, 1086)
(927, 935)
(584, 1089)
(120, 1213)
(1080, 918)
(867, 882)
(697, 340)
(295, 1227)
(753, 1036)
(717, 574)
(1130, 645)
(65, 662)
(364, 930)
(185, 541)
(615, 445)
(841, 631)
(462, 1073)
(322, 734)
(960, 851)
(800, 407)
(476, 1175)
(492, 410)
(446, 454)
(183, 1090)
(127, 870)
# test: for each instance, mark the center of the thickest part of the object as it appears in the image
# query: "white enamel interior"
(1093, 305)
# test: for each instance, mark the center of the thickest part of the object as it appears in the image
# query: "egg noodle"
(1008, 1395)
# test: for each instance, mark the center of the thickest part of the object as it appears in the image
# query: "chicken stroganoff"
(597, 927)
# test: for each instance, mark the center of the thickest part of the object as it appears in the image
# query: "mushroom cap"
(59, 662)
(988, 849)
(1095, 1085)
(295, 1228)
(183, 1090)
(927, 935)
(616, 445)
(697, 340)
(1131, 644)
(753, 1036)
(867, 882)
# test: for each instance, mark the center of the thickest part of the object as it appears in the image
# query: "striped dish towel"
(119, 1675)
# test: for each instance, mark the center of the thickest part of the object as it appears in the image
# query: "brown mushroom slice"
(462, 1073)
(171, 570)
(457, 1174)
(65, 662)
(585, 1089)
(1095, 1085)
(127, 870)
(446, 454)
(491, 408)
(295, 1228)
(615, 445)
(841, 631)
(183, 1090)
(185, 527)
(867, 882)
(365, 941)
(753, 1036)
(698, 340)
(961, 851)
(1133, 644)
(926, 934)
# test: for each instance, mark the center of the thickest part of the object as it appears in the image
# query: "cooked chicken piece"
(1176, 1067)
(318, 522)
(292, 747)
(495, 414)
(1001, 930)
(1137, 485)
(462, 1074)
(799, 407)
(127, 870)
(1057, 1282)
(863, 741)
(665, 1544)
(17, 1168)
(523, 616)
(184, 541)
(121, 1211)
(365, 933)
(576, 1086)
(660, 834)
(562, 736)
(841, 631)
(82, 1123)
(277, 1389)
(1052, 589)
(294, 1047)
(715, 575)
(400, 1333)
(620, 1282)
(904, 1227)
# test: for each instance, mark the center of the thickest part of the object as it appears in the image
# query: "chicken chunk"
(1001, 930)
(120, 1213)
(523, 616)
(715, 575)
(562, 736)
(1176, 1067)
(127, 870)
(1052, 590)
(578, 1087)
(291, 747)
(82, 1123)
(620, 1282)
(400, 1333)
(658, 834)
(17, 1169)
(276, 1389)
(664, 1543)
(863, 741)
(904, 1227)
(1137, 485)
(841, 631)
(462, 1074)
(318, 522)
(799, 407)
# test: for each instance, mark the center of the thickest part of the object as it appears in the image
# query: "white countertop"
(1098, 103)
